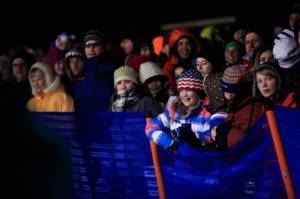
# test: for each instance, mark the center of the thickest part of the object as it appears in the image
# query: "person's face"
(4, 71)
(294, 19)
(127, 46)
(266, 85)
(59, 67)
(62, 44)
(154, 85)
(184, 48)
(265, 56)
(189, 98)
(231, 55)
(19, 69)
(166, 49)
(239, 35)
(229, 96)
(204, 66)
(93, 49)
(125, 85)
(145, 51)
(252, 41)
(38, 81)
(75, 64)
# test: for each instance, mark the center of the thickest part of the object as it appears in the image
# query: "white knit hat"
(124, 73)
(149, 70)
(286, 50)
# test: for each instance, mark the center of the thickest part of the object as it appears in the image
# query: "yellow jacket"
(54, 98)
(53, 101)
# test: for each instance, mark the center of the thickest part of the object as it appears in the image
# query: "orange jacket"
(289, 101)
(169, 66)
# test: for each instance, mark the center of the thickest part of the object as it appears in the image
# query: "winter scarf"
(124, 98)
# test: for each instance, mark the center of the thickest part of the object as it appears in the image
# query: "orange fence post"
(158, 174)
(287, 180)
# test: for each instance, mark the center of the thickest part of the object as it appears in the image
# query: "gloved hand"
(186, 134)
(173, 146)
(221, 137)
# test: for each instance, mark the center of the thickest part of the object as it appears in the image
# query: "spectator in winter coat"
(74, 63)
(61, 71)
(153, 81)
(253, 39)
(131, 44)
(262, 54)
(183, 48)
(49, 93)
(233, 53)
(185, 119)
(58, 49)
(93, 91)
(287, 53)
(210, 65)
(128, 97)
(20, 65)
(268, 84)
(242, 112)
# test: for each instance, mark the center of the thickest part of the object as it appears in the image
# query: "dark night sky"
(42, 22)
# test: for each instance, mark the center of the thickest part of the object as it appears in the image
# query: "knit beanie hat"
(93, 35)
(149, 70)
(124, 73)
(286, 50)
(74, 53)
(190, 80)
(214, 55)
(233, 44)
(234, 77)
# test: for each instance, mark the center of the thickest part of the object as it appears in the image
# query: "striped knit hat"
(190, 80)
(234, 77)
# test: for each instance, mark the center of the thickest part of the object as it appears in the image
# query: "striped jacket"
(160, 128)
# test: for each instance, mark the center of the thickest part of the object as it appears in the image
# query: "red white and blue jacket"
(160, 128)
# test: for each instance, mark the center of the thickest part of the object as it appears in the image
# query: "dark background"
(38, 23)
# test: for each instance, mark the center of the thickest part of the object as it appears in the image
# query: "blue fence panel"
(110, 157)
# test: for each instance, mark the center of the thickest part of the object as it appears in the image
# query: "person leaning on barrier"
(243, 110)
(185, 119)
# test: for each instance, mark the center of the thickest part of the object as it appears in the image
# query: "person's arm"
(215, 120)
(158, 130)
